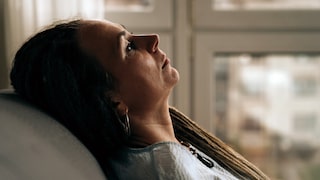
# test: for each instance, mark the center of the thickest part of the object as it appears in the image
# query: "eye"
(130, 47)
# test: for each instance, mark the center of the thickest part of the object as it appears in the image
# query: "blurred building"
(268, 106)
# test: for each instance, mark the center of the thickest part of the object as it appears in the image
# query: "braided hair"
(52, 72)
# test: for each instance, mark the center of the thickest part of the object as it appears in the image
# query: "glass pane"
(267, 107)
(265, 4)
(129, 5)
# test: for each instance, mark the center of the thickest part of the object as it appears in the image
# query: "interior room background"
(249, 68)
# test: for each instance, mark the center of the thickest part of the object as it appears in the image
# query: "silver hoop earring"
(125, 124)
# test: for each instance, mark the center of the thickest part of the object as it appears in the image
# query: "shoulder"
(164, 160)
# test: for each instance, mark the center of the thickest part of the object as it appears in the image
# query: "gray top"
(165, 160)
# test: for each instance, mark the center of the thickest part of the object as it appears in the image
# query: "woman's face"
(142, 71)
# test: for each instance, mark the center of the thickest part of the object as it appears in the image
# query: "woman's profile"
(111, 88)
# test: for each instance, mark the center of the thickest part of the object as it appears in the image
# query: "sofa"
(33, 146)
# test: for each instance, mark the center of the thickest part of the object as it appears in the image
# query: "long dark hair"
(52, 71)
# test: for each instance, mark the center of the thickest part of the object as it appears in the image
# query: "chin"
(171, 78)
(175, 76)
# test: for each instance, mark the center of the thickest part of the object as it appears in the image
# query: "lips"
(165, 63)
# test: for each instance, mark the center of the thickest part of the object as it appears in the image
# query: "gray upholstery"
(33, 146)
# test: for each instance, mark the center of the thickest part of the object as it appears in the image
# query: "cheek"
(137, 88)
(141, 81)
(142, 68)
(142, 77)
(138, 73)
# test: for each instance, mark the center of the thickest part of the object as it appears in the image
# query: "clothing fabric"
(165, 160)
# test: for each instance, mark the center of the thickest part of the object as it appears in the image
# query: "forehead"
(99, 38)
(94, 30)
(99, 26)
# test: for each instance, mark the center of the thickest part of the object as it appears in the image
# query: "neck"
(151, 127)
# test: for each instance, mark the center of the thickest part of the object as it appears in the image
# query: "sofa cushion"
(35, 146)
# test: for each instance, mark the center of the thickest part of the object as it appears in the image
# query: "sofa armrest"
(35, 146)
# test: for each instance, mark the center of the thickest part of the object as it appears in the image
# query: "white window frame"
(206, 17)
(207, 44)
(159, 18)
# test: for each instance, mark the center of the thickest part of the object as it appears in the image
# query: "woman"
(111, 88)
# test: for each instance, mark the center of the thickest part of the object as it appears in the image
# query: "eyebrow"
(122, 33)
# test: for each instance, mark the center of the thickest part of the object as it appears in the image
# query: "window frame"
(159, 18)
(207, 44)
(253, 19)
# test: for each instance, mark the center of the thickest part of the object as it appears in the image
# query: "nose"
(150, 41)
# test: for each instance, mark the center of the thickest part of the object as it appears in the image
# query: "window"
(265, 5)
(141, 14)
(254, 101)
(245, 86)
(305, 86)
(129, 5)
(305, 122)
(256, 14)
